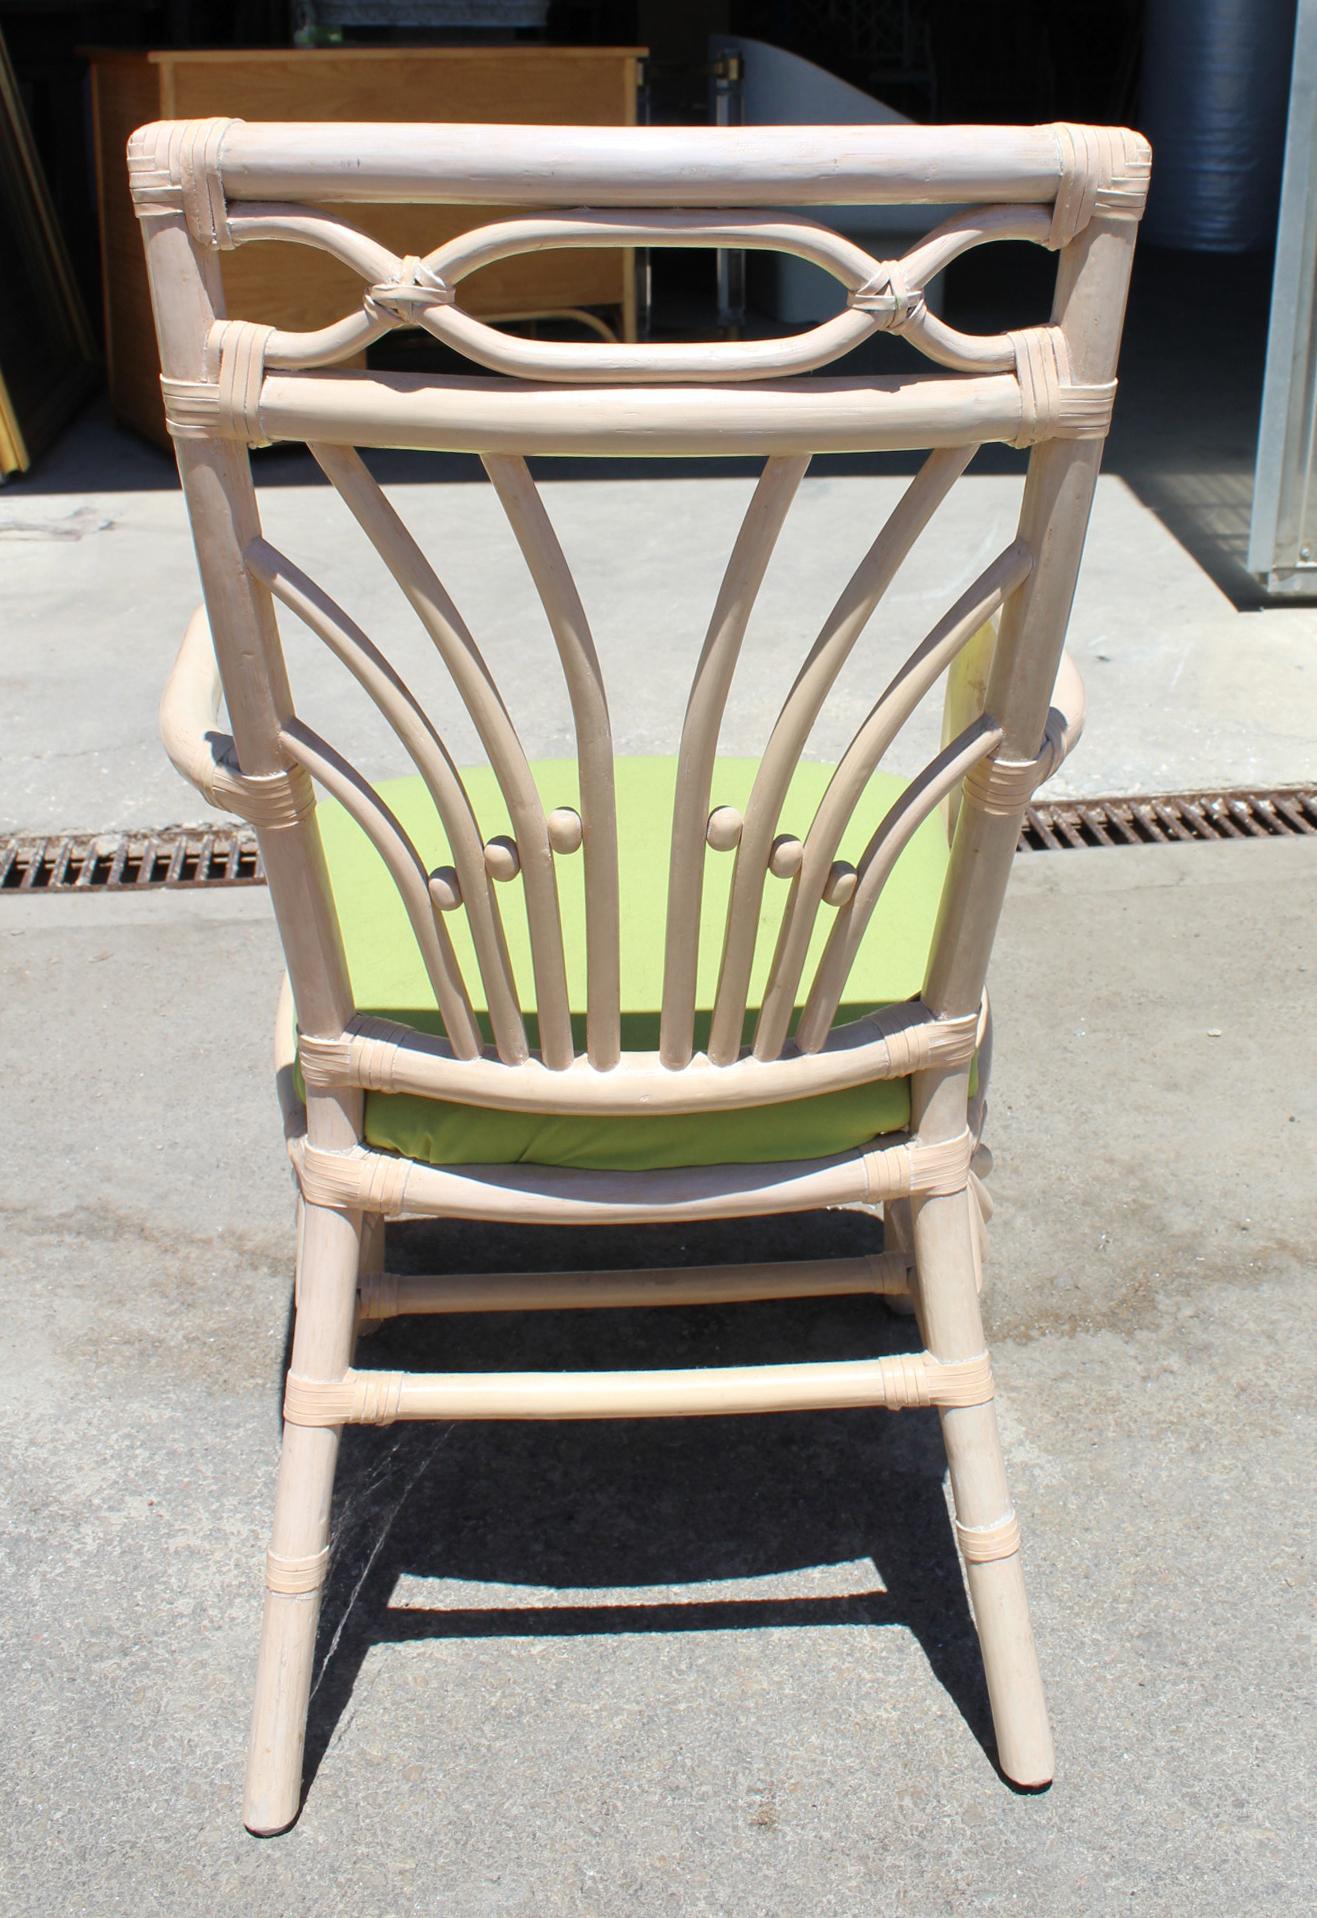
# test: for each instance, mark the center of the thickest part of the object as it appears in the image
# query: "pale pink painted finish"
(201, 187)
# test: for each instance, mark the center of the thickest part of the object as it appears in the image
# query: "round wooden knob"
(445, 888)
(840, 884)
(565, 830)
(502, 860)
(724, 829)
(785, 855)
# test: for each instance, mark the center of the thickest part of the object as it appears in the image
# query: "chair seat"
(389, 980)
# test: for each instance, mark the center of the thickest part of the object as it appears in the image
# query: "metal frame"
(1282, 544)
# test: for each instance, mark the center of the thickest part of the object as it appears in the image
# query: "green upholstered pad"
(389, 980)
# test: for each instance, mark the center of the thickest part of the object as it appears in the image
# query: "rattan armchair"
(488, 1019)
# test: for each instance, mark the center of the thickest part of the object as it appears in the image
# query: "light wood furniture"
(204, 187)
(299, 287)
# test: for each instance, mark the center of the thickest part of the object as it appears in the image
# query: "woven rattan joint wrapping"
(888, 297)
(894, 1172)
(981, 1544)
(274, 801)
(329, 1062)
(415, 288)
(1005, 786)
(229, 406)
(198, 168)
(192, 408)
(1051, 406)
(291, 1576)
(359, 1180)
(238, 347)
(944, 1042)
(358, 1398)
(957, 1382)
(174, 167)
(268, 801)
(150, 181)
(1103, 170)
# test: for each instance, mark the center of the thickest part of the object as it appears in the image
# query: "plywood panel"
(532, 86)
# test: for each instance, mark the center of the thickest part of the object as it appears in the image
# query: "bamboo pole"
(594, 750)
(459, 652)
(381, 1398)
(854, 771)
(801, 708)
(401, 709)
(365, 1180)
(697, 753)
(640, 166)
(386, 1295)
(382, 1056)
(359, 799)
(468, 414)
(917, 802)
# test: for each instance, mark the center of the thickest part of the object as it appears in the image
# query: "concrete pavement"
(672, 1668)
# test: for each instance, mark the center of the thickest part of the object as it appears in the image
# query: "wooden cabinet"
(297, 287)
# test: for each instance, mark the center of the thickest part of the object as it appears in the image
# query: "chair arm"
(965, 698)
(189, 709)
(964, 701)
(207, 757)
(1065, 718)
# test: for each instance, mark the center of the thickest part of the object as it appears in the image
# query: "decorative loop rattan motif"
(889, 295)
(414, 290)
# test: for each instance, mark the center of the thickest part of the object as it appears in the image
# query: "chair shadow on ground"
(611, 1505)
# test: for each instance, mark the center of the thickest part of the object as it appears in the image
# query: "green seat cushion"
(389, 979)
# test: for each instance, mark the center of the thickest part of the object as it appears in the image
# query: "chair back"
(203, 187)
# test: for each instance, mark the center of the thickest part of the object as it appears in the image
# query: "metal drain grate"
(132, 862)
(1067, 825)
(228, 856)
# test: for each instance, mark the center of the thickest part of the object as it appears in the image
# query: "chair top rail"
(630, 166)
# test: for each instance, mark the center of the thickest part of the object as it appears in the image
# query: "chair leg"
(372, 1243)
(299, 1543)
(898, 1237)
(986, 1530)
(370, 1263)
